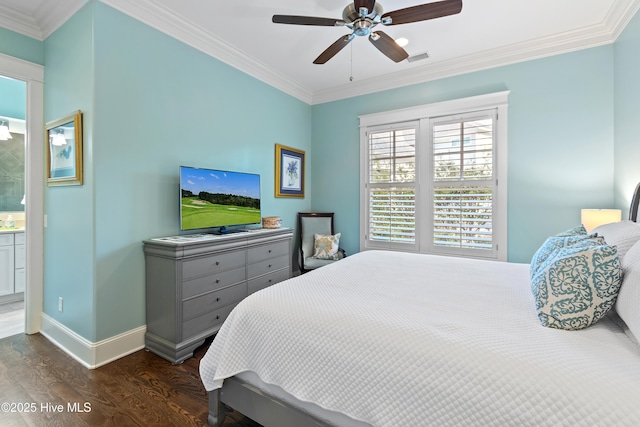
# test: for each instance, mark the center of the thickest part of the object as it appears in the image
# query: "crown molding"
(168, 22)
(48, 18)
(620, 15)
(19, 22)
(52, 14)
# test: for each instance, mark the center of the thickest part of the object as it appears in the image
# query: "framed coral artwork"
(289, 172)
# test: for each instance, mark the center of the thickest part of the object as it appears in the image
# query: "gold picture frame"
(290, 170)
(64, 150)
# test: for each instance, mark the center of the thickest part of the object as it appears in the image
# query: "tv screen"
(217, 198)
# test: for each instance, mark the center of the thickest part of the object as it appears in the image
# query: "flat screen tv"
(216, 198)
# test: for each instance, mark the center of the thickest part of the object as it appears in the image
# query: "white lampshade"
(591, 218)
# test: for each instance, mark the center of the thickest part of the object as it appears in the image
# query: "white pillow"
(623, 234)
(628, 304)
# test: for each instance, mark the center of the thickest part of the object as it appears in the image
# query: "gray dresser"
(193, 283)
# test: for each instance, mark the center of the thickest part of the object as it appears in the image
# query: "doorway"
(33, 76)
(13, 96)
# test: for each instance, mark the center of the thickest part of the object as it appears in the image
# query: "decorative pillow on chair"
(554, 243)
(326, 246)
(576, 286)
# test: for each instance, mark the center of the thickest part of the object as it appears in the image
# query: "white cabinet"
(7, 264)
(19, 263)
(12, 265)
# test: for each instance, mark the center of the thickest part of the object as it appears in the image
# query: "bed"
(386, 339)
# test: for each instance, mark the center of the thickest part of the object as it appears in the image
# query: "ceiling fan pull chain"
(351, 76)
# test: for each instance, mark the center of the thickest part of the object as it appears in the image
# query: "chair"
(310, 224)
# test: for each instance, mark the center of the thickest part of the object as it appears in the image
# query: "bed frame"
(268, 411)
(633, 209)
(254, 404)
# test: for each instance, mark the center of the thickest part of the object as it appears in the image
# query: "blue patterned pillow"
(576, 286)
(554, 243)
(575, 231)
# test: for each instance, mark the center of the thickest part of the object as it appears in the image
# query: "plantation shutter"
(391, 186)
(464, 186)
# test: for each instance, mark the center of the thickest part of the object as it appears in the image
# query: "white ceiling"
(487, 33)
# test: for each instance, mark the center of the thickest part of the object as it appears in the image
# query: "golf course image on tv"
(217, 198)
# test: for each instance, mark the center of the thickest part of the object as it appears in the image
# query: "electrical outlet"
(60, 304)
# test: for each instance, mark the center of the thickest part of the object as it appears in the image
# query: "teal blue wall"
(22, 47)
(627, 114)
(560, 143)
(13, 98)
(150, 104)
(69, 239)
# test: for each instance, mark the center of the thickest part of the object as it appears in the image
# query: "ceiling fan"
(362, 16)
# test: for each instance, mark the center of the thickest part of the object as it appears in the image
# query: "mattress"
(390, 339)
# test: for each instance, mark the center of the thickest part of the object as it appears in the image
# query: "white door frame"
(33, 75)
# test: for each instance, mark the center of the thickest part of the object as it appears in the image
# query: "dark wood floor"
(43, 383)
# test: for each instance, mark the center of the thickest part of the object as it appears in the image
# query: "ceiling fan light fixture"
(362, 16)
(402, 41)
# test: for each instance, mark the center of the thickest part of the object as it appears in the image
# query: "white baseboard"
(89, 354)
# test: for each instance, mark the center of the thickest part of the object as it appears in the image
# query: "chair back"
(310, 224)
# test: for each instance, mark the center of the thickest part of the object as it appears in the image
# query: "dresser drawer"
(271, 250)
(267, 266)
(194, 307)
(215, 281)
(212, 264)
(6, 239)
(206, 321)
(267, 280)
(19, 238)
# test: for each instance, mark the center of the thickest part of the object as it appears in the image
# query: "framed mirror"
(64, 154)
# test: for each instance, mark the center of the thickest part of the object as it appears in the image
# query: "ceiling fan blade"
(423, 12)
(388, 46)
(332, 50)
(307, 20)
(367, 4)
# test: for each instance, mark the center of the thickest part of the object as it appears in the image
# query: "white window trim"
(423, 113)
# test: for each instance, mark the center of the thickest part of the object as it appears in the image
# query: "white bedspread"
(397, 339)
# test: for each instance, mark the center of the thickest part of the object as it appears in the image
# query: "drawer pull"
(217, 280)
(269, 265)
(270, 280)
(217, 262)
(217, 299)
(217, 317)
(269, 250)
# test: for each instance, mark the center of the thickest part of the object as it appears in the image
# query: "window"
(433, 178)
(463, 184)
(391, 187)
